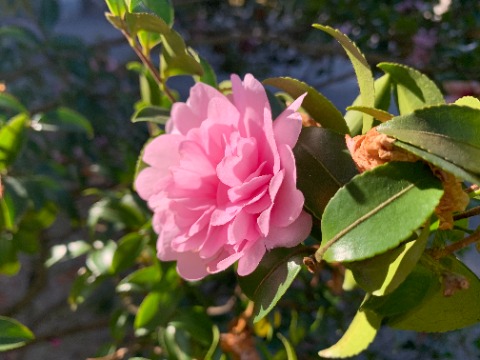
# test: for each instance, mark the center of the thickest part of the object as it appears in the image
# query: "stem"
(450, 249)
(468, 213)
(146, 61)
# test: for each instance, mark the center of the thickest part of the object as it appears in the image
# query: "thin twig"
(450, 249)
(468, 213)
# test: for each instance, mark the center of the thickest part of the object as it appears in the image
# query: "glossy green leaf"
(378, 210)
(128, 249)
(378, 114)
(358, 337)
(141, 280)
(13, 334)
(271, 279)
(9, 102)
(413, 89)
(154, 114)
(65, 119)
(354, 119)
(290, 350)
(196, 322)
(446, 165)
(161, 8)
(117, 7)
(362, 70)
(83, 286)
(439, 313)
(318, 106)
(12, 136)
(155, 309)
(100, 259)
(383, 273)
(451, 132)
(324, 165)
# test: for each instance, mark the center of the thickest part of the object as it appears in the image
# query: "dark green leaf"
(359, 335)
(9, 102)
(128, 249)
(154, 114)
(324, 165)
(451, 132)
(15, 201)
(413, 90)
(318, 106)
(383, 273)
(197, 323)
(9, 264)
(208, 77)
(362, 70)
(378, 210)
(13, 334)
(143, 279)
(443, 312)
(66, 120)
(161, 8)
(271, 279)
(12, 136)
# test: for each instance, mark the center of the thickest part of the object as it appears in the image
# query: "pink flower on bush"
(222, 181)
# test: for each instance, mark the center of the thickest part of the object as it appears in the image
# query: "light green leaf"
(13, 334)
(291, 354)
(362, 70)
(451, 132)
(156, 309)
(160, 8)
(358, 337)
(378, 210)
(378, 114)
(10, 102)
(440, 312)
(413, 89)
(354, 119)
(154, 114)
(324, 165)
(66, 119)
(383, 273)
(468, 101)
(12, 136)
(117, 7)
(315, 104)
(271, 279)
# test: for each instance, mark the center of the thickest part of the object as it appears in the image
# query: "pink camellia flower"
(222, 181)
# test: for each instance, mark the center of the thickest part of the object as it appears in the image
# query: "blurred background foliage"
(77, 252)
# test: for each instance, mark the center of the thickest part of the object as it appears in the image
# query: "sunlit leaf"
(468, 101)
(100, 259)
(413, 89)
(362, 70)
(358, 337)
(12, 136)
(318, 106)
(271, 279)
(65, 119)
(378, 210)
(451, 132)
(13, 334)
(155, 309)
(324, 165)
(290, 350)
(155, 114)
(117, 7)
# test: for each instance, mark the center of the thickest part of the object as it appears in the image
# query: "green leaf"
(471, 101)
(362, 70)
(208, 77)
(128, 249)
(413, 90)
(9, 264)
(383, 273)
(99, 260)
(12, 136)
(66, 119)
(354, 119)
(439, 312)
(323, 164)
(378, 114)
(197, 323)
(271, 279)
(154, 114)
(9, 102)
(117, 7)
(68, 251)
(160, 8)
(143, 279)
(175, 57)
(317, 105)
(440, 162)
(451, 132)
(15, 200)
(358, 337)
(155, 309)
(13, 334)
(291, 354)
(378, 210)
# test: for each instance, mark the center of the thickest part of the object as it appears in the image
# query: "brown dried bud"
(453, 282)
(373, 149)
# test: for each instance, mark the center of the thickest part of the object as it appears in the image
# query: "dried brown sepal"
(239, 341)
(453, 282)
(373, 149)
(454, 198)
(307, 121)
